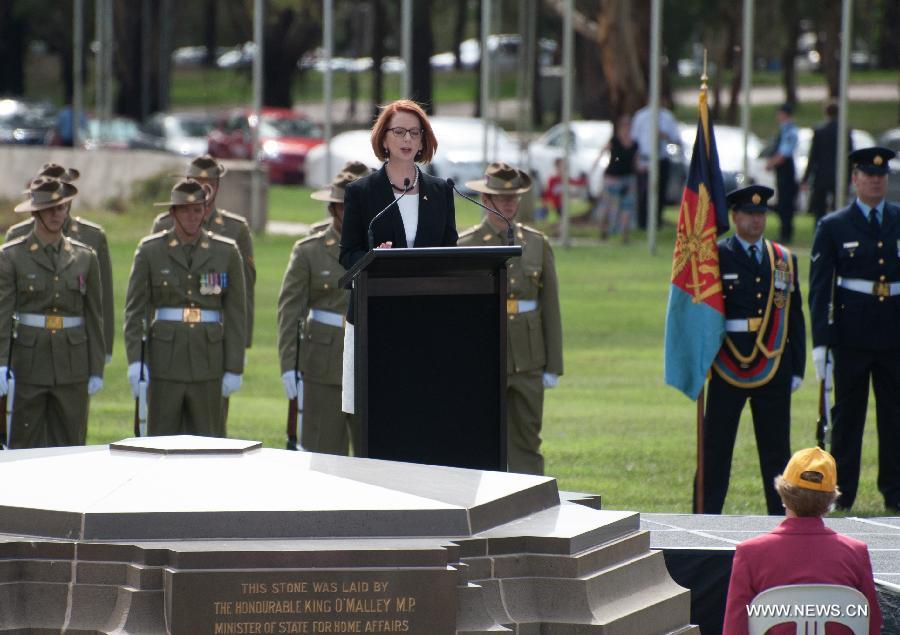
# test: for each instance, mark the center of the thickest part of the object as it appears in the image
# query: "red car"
(285, 136)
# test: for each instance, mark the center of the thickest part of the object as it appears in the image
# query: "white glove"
(4, 384)
(819, 363)
(293, 385)
(134, 377)
(550, 380)
(231, 383)
(95, 383)
(796, 382)
(108, 358)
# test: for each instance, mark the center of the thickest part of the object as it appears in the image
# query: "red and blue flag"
(695, 317)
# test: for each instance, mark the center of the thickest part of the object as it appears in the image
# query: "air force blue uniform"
(854, 303)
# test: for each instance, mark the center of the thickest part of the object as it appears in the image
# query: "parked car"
(28, 123)
(730, 146)
(458, 156)
(285, 137)
(585, 145)
(181, 133)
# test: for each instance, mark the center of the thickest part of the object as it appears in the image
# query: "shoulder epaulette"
(529, 229)
(221, 238)
(13, 242)
(77, 243)
(312, 237)
(147, 239)
(469, 231)
(20, 229)
(87, 223)
(231, 215)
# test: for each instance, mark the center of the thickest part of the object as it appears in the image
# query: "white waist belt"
(871, 287)
(327, 317)
(187, 314)
(745, 325)
(521, 306)
(49, 321)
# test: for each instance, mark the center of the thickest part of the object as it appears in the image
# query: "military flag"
(695, 318)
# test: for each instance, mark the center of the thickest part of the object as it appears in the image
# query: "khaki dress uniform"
(310, 294)
(193, 298)
(92, 235)
(55, 292)
(534, 329)
(236, 228)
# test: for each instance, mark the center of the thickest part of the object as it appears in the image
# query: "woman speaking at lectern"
(419, 207)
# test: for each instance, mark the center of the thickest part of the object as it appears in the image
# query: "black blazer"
(363, 199)
(745, 297)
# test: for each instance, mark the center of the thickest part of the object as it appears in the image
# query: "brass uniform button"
(881, 298)
(882, 278)
(881, 261)
(759, 295)
(880, 244)
(759, 311)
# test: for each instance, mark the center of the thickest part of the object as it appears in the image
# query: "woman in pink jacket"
(801, 550)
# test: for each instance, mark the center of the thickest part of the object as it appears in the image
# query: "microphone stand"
(371, 231)
(509, 227)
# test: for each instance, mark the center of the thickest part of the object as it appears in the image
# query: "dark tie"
(873, 220)
(754, 255)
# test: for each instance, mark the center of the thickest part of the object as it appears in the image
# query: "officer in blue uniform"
(764, 353)
(854, 305)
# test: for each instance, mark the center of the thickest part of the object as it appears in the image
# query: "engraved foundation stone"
(190, 535)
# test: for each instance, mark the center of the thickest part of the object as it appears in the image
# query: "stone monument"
(190, 535)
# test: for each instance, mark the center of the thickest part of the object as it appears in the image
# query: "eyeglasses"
(400, 132)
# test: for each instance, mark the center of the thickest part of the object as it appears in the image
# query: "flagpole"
(698, 495)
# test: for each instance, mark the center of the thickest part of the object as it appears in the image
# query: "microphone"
(378, 215)
(509, 226)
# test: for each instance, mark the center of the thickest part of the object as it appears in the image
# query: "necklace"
(411, 187)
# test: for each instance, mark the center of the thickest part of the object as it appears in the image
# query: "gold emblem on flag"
(695, 245)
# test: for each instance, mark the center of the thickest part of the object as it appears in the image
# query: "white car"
(458, 156)
(584, 148)
(730, 144)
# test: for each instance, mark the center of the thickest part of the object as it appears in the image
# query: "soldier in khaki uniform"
(188, 285)
(534, 360)
(207, 171)
(91, 235)
(312, 303)
(356, 169)
(50, 288)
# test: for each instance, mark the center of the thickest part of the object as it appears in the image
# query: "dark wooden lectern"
(431, 354)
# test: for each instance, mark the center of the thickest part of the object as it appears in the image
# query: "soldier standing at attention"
(534, 359)
(187, 286)
(50, 295)
(310, 294)
(207, 171)
(91, 235)
(764, 353)
(854, 305)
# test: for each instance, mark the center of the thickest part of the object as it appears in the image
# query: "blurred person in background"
(616, 205)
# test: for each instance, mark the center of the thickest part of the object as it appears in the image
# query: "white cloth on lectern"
(348, 383)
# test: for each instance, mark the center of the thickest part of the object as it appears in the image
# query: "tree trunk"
(210, 32)
(593, 102)
(422, 50)
(377, 57)
(621, 34)
(829, 46)
(791, 18)
(288, 35)
(13, 34)
(128, 61)
(459, 30)
(889, 48)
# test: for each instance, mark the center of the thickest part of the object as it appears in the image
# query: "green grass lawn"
(611, 427)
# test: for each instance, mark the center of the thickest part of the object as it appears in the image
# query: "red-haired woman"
(425, 215)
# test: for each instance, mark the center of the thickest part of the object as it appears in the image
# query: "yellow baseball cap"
(813, 469)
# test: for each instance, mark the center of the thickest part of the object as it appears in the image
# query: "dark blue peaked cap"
(752, 198)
